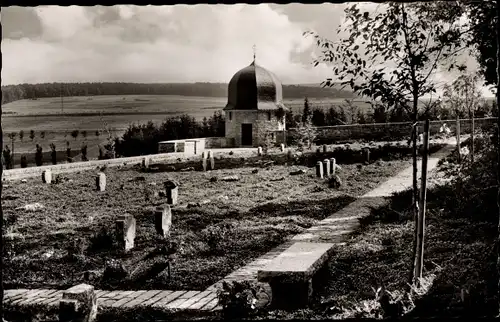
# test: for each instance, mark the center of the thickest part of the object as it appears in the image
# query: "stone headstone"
(47, 176)
(282, 146)
(163, 220)
(319, 169)
(204, 161)
(259, 151)
(78, 303)
(367, 155)
(326, 167)
(125, 232)
(325, 148)
(100, 182)
(333, 165)
(145, 163)
(289, 154)
(171, 191)
(211, 159)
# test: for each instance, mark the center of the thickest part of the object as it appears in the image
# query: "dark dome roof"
(254, 88)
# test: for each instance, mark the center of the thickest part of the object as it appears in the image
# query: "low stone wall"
(14, 174)
(386, 131)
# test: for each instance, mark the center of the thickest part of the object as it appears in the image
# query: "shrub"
(238, 299)
(214, 237)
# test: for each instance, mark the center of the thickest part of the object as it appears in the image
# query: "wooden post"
(457, 130)
(422, 208)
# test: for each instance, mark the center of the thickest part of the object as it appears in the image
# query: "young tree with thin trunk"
(454, 103)
(390, 56)
(466, 87)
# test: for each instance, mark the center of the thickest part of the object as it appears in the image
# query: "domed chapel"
(254, 97)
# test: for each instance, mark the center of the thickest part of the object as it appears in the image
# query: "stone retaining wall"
(385, 131)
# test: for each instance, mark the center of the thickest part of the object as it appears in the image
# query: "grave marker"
(78, 303)
(326, 166)
(172, 191)
(47, 176)
(259, 151)
(333, 165)
(163, 220)
(100, 181)
(289, 154)
(212, 159)
(367, 155)
(282, 146)
(204, 160)
(125, 232)
(145, 163)
(319, 169)
(325, 148)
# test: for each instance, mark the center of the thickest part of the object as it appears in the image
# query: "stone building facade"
(255, 107)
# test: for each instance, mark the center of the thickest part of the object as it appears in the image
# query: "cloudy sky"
(180, 43)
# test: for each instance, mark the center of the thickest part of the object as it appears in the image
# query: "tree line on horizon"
(11, 93)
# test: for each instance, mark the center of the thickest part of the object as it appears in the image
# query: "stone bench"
(290, 274)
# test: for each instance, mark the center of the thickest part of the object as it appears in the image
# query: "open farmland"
(249, 217)
(82, 112)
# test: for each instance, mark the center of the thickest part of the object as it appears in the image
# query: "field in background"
(118, 111)
(81, 112)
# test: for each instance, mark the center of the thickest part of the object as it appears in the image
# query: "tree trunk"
(415, 186)
(423, 197)
(458, 137)
(472, 137)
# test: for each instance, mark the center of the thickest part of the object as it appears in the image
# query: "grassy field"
(240, 221)
(83, 112)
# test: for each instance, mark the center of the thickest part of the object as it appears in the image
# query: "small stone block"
(145, 163)
(85, 308)
(47, 176)
(212, 159)
(326, 167)
(204, 163)
(100, 182)
(319, 169)
(171, 190)
(282, 146)
(259, 151)
(125, 232)
(163, 220)
(333, 164)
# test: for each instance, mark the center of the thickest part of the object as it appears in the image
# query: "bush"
(214, 237)
(238, 299)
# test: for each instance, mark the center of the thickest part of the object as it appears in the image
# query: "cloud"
(179, 43)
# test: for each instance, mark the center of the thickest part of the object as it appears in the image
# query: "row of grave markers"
(326, 168)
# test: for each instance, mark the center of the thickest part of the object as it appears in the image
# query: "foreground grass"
(459, 253)
(254, 214)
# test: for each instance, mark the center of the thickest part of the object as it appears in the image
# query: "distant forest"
(11, 93)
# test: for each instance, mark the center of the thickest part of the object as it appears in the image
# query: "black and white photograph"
(237, 161)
